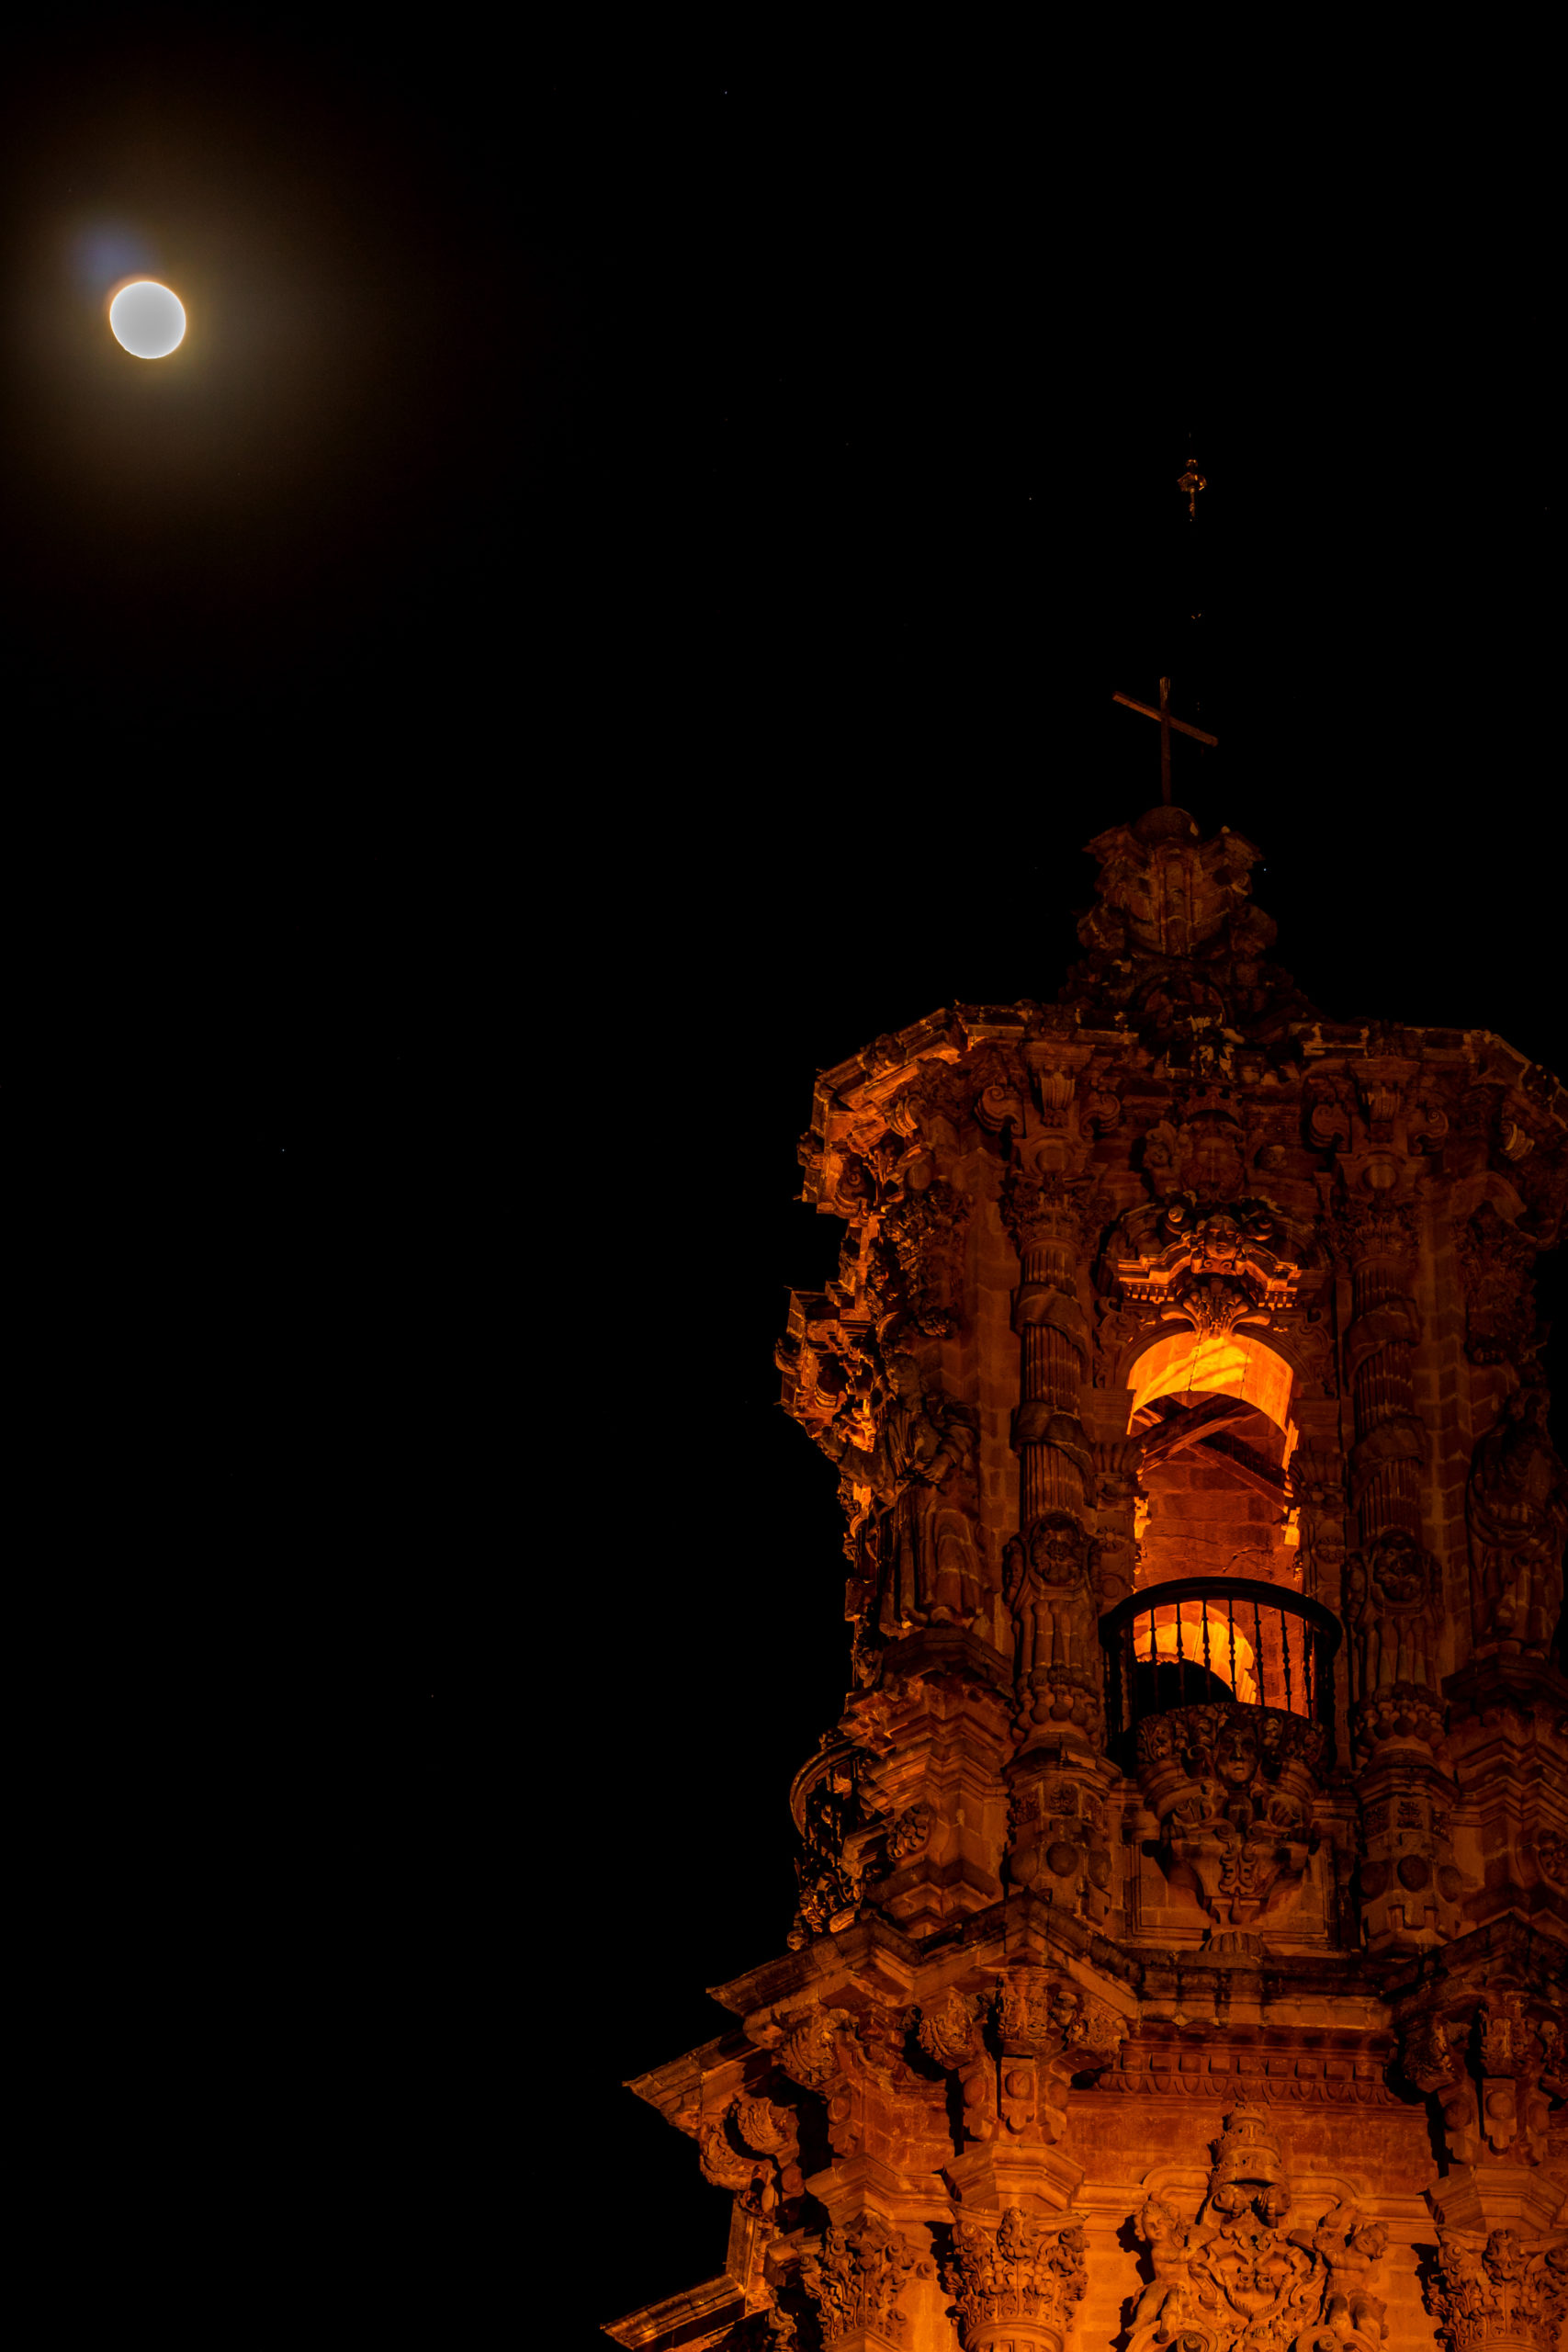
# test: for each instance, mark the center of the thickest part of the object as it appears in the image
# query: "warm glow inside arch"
(1187, 1364)
(1228, 1652)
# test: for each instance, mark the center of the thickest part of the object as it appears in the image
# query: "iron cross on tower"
(1166, 724)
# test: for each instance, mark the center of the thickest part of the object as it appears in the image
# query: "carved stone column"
(856, 2276)
(1500, 2291)
(1018, 2283)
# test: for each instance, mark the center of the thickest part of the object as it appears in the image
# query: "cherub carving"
(1348, 2248)
(1168, 2297)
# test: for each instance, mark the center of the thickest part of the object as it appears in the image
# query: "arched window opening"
(1186, 1366)
(1214, 1412)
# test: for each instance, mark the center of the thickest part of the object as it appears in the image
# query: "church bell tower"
(1182, 1919)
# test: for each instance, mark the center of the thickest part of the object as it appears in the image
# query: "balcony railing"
(1223, 1638)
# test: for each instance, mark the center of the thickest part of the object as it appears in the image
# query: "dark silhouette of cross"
(1166, 724)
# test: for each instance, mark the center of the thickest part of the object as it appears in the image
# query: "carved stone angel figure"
(1517, 1508)
(1348, 2246)
(1168, 2297)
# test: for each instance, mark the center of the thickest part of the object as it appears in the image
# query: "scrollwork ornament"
(808, 2053)
(910, 1834)
(945, 2030)
(767, 2331)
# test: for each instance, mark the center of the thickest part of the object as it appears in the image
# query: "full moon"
(147, 319)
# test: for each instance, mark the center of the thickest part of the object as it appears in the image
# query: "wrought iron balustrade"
(1225, 1638)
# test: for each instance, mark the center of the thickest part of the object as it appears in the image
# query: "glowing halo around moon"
(147, 320)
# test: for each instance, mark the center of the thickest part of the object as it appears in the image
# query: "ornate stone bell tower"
(1183, 1890)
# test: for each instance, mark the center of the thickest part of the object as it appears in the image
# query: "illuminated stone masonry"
(1183, 1890)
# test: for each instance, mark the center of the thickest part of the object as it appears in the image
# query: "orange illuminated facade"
(1182, 1916)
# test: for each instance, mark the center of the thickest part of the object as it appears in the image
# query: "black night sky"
(618, 606)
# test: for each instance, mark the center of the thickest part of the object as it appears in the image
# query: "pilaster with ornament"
(1050, 1589)
(1507, 1736)
(1409, 1883)
(933, 1739)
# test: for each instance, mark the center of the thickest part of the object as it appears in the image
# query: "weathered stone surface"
(1184, 1974)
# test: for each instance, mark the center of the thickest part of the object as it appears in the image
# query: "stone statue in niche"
(921, 1553)
(1518, 1509)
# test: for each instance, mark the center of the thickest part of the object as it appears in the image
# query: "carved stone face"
(1399, 1574)
(1236, 1757)
(1219, 1238)
(1057, 1555)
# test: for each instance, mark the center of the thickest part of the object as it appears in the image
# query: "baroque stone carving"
(1020, 2280)
(1517, 1504)
(1220, 1262)
(1250, 2273)
(1231, 1788)
(855, 2278)
(910, 1833)
(919, 1555)
(1394, 1596)
(751, 2149)
(1501, 2291)
(1023, 1956)
(809, 2049)
(830, 1874)
(1049, 1589)
(1058, 1839)
(1145, 2069)
(1497, 1268)
(1016, 2050)
(1492, 2069)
